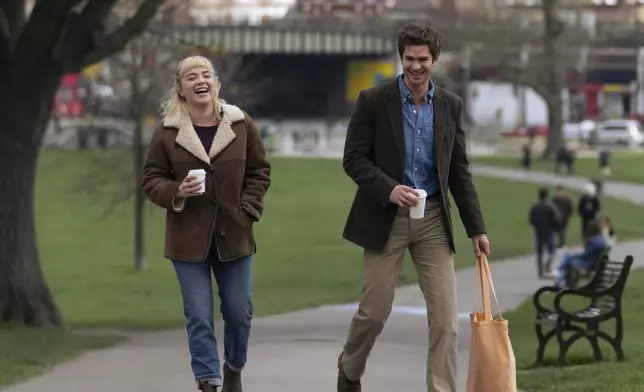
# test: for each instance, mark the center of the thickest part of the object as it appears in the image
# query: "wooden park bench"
(605, 294)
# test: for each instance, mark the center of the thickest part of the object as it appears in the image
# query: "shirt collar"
(405, 94)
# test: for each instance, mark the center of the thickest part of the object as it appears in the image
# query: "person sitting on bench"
(609, 231)
(596, 242)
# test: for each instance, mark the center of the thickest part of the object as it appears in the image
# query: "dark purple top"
(206, 135)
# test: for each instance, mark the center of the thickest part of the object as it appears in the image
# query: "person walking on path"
(545, 220)
(588, 207)
(564, 205)
(209, 220)
(404, 137)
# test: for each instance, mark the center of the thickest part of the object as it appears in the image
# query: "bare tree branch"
(522, 78)
(81, 33)
(115, 202)
(12, 20)
(99, 184)
(96, 11)
(6, 37)
(117, 40)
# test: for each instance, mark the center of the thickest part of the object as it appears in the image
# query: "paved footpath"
(297, 352)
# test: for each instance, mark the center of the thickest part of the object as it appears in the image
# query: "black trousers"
(561, 237)
(544, 242)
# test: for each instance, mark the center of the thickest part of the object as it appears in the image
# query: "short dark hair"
(414, 34)
(560, 187)
(543, 193)
(594, 228)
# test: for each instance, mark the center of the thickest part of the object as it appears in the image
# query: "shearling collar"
(187, 136)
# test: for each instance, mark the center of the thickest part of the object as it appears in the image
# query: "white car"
(623, 132)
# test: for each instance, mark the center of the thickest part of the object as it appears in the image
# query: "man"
(588, 207)
(405, 135)
(526, 160)
(565, 207)
(545, 220)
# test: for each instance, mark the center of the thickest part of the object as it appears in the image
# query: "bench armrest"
(536, 298)
(592, 295)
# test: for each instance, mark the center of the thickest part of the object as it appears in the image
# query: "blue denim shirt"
(418, 124)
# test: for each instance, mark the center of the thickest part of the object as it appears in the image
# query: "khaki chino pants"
(431, 253)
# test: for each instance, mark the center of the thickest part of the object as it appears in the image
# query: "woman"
(213, 229)
(609, 231)
(595, 244)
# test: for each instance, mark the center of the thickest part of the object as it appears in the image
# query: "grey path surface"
(297, 352)
(622, 190)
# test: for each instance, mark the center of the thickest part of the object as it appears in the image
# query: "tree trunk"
(32, 63)
(555, 123)
(25, 298)
(555, 77)
(25, 109)
(139, 198)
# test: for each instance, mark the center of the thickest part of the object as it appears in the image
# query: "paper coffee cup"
(418, 212)
(201, 175)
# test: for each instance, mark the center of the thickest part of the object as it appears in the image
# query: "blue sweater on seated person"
(584, 259)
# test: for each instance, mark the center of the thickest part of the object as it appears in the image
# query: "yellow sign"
(363, 74)
(92, 71)
(614, 88)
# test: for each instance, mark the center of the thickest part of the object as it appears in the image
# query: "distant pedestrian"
(603, 160)
(588, 206)
(207, 168)
(545, 220)
(526, 158)
(565, 157)
(599, 186)
(564, 205)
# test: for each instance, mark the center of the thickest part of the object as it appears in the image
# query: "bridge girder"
(367, 39)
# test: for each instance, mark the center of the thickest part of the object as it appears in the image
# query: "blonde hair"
(173, 108)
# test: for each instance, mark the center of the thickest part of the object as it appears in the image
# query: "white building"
(238, 11)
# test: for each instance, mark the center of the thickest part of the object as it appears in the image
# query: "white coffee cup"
(201, 175)
(418, 211)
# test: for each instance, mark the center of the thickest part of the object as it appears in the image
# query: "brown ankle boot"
(232, 380)
(206, 387)
(344, 384)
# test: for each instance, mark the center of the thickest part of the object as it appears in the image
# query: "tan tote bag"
(492, 366)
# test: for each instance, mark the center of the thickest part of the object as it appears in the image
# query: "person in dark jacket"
(407, 136)
(588, 206)
(526, 160)
(545, 220)
(564, 205)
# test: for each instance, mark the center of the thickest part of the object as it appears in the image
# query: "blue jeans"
(569, 262)
(234, 281)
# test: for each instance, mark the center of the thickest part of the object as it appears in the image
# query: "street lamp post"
(640, 82)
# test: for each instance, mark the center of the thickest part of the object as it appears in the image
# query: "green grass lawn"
(625, 166)
(609, 376)
(25, 352)
(302, 259)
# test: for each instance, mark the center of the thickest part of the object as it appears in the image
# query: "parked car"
(620, 132)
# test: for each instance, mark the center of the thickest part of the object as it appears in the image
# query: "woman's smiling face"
(198, 86)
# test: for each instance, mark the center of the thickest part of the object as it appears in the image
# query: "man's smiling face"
(417, 64)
